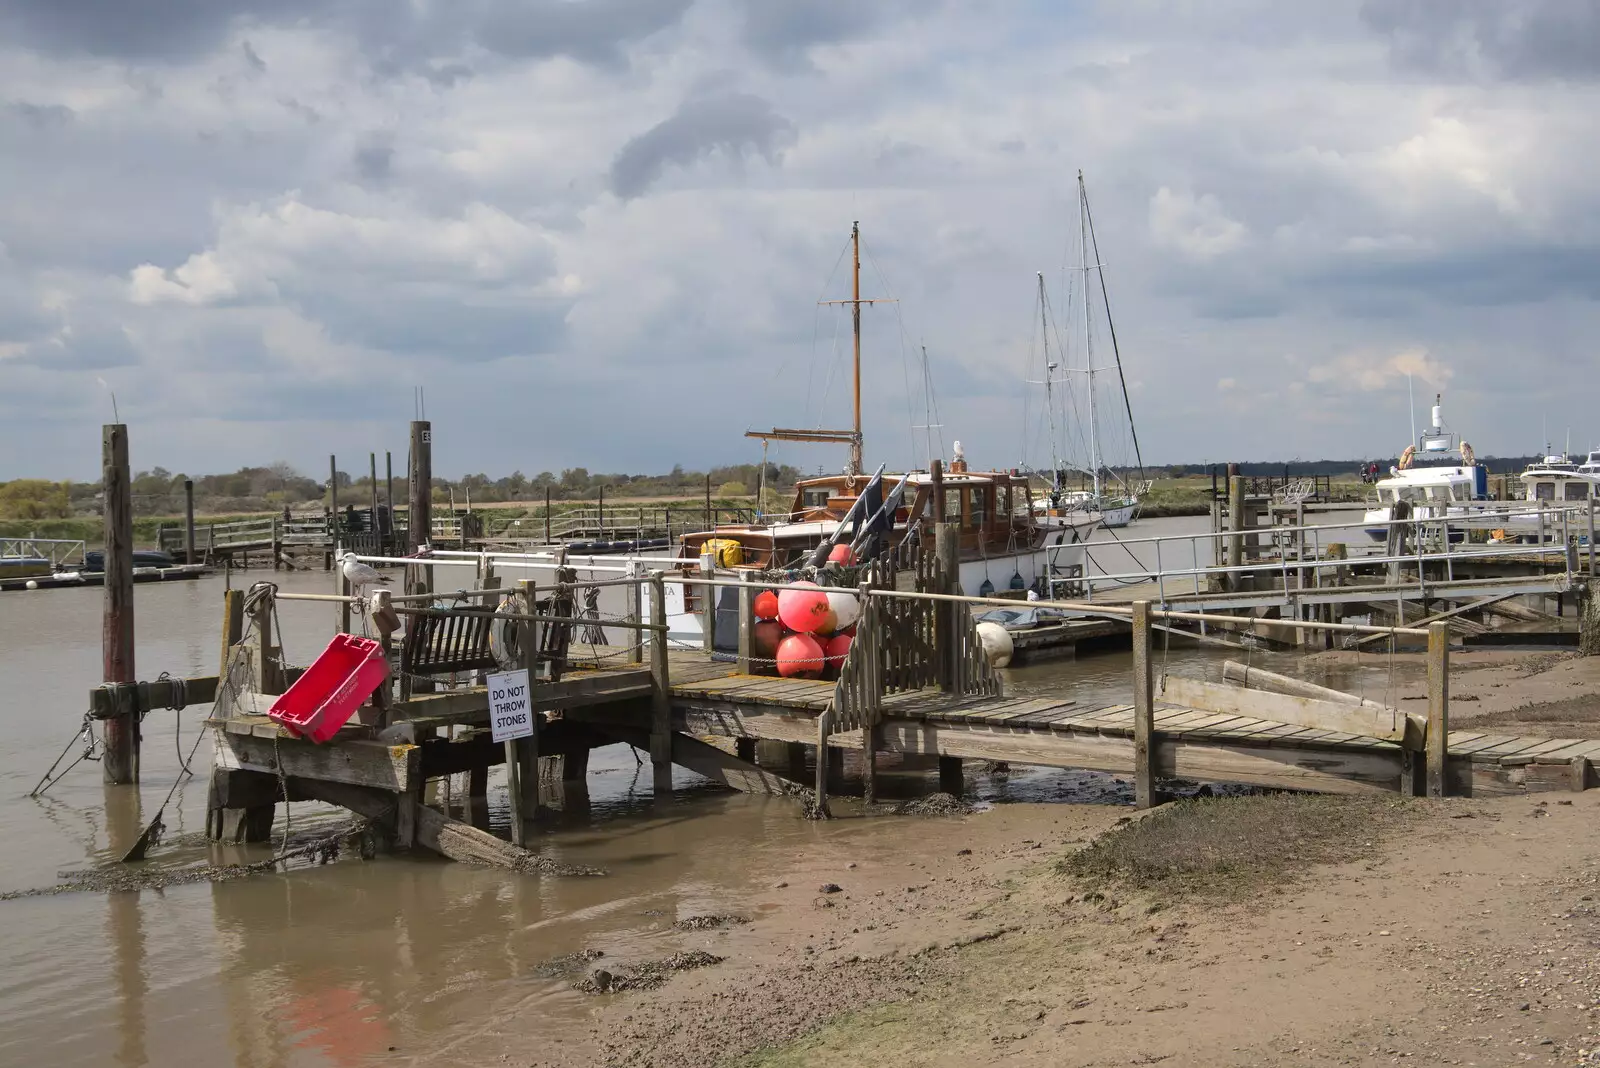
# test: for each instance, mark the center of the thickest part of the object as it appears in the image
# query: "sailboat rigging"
(852, 437)
(1114, 509)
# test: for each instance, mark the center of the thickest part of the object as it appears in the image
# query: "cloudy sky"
(596, 231)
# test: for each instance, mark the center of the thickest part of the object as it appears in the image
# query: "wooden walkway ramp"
(710, 697)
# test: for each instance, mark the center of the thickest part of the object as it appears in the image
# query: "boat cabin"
(992, 512)
(1557, 478)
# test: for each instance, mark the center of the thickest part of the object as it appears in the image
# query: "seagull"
(359, 574)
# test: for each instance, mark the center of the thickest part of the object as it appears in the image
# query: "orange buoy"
(841, 554)
(766, 635)
(803, 607)
(837, 648)
(766, 606)
(799, 656)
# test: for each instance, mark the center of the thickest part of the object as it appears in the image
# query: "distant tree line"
(257, 489)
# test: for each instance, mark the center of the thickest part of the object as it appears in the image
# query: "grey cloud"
(374, 158)
(147, 30)
(397, 37)
(735, 123)
(42, 116)
(784, 29)
(253, 58)
(1521, 39)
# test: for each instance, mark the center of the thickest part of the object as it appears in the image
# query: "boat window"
(1385, 496)
(980, 506)
(1544, 491)
(815, 498)
(1410, 493)
(1577, 491)
(952, 505)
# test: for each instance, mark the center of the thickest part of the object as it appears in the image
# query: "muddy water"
(334, 965)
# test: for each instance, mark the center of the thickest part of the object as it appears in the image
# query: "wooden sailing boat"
(1109, 497)
(1003, 544)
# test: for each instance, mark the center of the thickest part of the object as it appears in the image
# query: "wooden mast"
(852, 436)
(855, 248)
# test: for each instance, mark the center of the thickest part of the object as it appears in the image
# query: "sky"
(595, 232)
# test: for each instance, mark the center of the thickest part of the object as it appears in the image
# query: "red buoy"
(841, 554)
(799, 656)
(766, 606)
(837, 648)
(803, 607)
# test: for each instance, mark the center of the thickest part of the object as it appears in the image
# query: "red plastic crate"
(327, 695)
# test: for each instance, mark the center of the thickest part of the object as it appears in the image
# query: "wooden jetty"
(915, 681)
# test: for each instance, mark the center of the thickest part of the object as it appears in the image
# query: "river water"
(401, 956)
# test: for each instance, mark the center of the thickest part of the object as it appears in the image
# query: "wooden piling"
(522, 754)
(1438, 739)
(121, 731)
(661, 687)
(232, 629)
(188, 521)
(1144, 764)
(951, 779)
(1236, 524)
(947, 613)
(746, 621)
(419, 518)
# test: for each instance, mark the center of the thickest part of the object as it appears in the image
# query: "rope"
(85, 731)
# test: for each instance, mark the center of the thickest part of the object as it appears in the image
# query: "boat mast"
(1088, 343)
(852, 437)
(855, 294)
(1111, 328)
(1049, 395)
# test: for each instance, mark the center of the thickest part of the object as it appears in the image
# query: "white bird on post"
(359, 574)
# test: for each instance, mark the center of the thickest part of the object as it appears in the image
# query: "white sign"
(510, 710)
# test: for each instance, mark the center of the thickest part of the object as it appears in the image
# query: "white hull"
(1063, 553)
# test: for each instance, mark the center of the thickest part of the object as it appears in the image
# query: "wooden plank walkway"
(712, 697)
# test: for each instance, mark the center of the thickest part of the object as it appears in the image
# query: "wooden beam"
(1255, 678)
(1471, 606)
(358, 762)
(715, 764)
(1366, 721)
(433, 830)
(162, 693)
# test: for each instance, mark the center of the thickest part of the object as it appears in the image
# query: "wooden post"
(547, 539)
(265, 664)
(1236, 523)
(419, 520)
(1591, 537)
(746, 622)
(710, 520)
(121, 763)
(946, 613)
(341, 585)
(872, 642)
(372, 477)
(1144, 719)
(188, 520)
(1438, 740)
(277, 543)
(708, 616)
(600, 509)
(636, 639)
(661, 689)
(232, 630)
(522, 755)
(951, 780)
